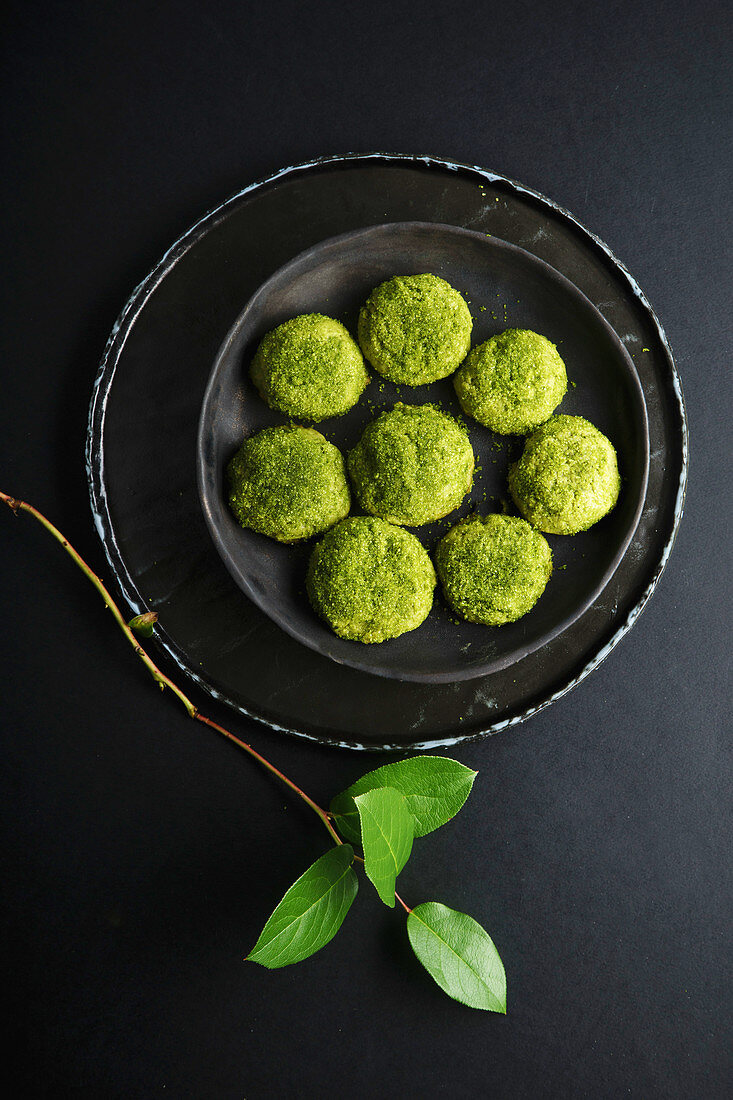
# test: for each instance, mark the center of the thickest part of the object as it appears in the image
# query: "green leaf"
(143, 624)
(459, 955)
(386, 837)
(311, 912)
(434, 787)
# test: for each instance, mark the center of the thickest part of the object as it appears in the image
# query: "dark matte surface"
(141, 855)
(336, 277)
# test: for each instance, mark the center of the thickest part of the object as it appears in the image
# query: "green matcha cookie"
(369, 580)
(415, 329)
(412, 465)
(309, 367)
(567, 478)
(288, 483)
(513, 382)
(493, 569)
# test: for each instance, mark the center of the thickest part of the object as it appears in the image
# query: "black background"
(141, 855)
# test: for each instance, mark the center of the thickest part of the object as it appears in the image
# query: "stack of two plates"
(172, 402)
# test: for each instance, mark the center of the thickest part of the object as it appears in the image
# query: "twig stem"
(160, 678)
(402, 903)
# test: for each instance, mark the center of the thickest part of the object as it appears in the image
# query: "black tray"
(141, 451)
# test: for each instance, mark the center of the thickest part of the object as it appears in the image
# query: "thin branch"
(402, 903)
(271, 768)
(160, 678)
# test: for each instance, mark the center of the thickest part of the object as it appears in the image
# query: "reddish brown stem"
(271, 768)
(402, 903)
(160, 678)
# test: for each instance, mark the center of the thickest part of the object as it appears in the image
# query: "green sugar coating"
(513, 382)
(370, 580)
(412, 465)
(309, 367)
(493, 569)
(288, 483)
(567, 478)
(415, 329)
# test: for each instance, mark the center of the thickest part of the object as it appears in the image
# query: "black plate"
(335, 277)
(141, 451)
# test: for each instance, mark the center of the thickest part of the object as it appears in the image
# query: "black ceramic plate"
(141, 451)
(335, 277)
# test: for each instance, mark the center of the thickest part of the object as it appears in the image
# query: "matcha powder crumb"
(493, 569)
(567, 477)
(413, 464)
(513, 382)
(309, 367)
(370, 580)
(415, 329)
(288, 483)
